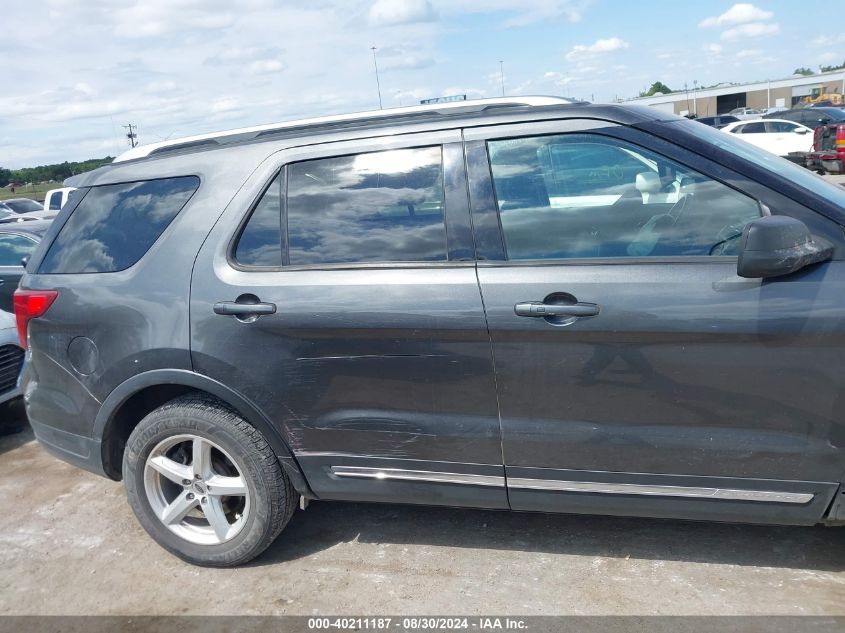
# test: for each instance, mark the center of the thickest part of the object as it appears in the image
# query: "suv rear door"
(637, 374)
(372, 355)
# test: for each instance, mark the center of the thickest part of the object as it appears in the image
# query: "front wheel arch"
(130, 401)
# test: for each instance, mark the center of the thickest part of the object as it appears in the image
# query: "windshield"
(24, 206)
(800, 176)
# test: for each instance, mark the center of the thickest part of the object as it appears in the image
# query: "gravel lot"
(69, 544)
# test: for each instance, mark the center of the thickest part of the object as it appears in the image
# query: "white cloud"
(748, 53)
(713, 49)
(393, 12)
(823, 41)
(741, 13)
(582, 51)
(264, 66)
(520, 12)
(752, 29)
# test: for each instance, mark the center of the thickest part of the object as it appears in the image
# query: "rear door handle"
(540, 309)
(233, 308)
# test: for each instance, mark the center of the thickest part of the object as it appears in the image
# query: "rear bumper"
(44, 411)
(75, 449)
(825, 161)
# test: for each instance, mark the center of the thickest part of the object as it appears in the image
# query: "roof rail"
(454, 107)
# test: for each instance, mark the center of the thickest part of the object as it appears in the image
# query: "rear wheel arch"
(133, 399)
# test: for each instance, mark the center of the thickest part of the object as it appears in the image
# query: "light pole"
(502, 75)
(378, 83)
(695, 97)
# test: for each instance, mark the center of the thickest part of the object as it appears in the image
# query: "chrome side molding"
(555, 485)
(399, 474)
(727, 494)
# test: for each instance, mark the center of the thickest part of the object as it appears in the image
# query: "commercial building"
(777, 93)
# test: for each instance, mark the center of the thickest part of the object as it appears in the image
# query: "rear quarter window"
(113, 226)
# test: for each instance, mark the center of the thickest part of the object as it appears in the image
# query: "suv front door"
(372, 357)
(637, 374)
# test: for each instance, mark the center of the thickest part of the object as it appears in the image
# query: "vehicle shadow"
(325, 524)
(14, 427)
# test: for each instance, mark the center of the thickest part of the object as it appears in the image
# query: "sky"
(77, 71)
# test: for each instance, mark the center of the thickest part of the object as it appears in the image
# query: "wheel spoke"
(220, 486)
(174, 471)
(178, 508)
(213, 510)
(202, 458)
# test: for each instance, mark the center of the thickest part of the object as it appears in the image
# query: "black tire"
(272, 498)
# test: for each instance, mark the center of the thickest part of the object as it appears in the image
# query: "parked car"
(746, 113)
(26, 209)
(777, 136)
(811, 117)
(717, 122)
(17, 242)
(828, 153)
(55, 199)
(233, 322)
(11, 361)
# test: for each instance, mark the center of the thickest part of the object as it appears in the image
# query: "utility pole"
(131, 134)
(502, 75)
(378, 83)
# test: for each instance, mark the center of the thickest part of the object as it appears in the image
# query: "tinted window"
(114, 225)
(587, 196)
(24, 206)
(780, 127)
(13, 248)
(55, 202)
(753, 128)
(260, 244)
(381, 206)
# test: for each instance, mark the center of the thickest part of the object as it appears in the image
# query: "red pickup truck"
(828, 154)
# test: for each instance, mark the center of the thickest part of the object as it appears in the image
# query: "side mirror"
(777, 245)
(802, 130)
(25, 261)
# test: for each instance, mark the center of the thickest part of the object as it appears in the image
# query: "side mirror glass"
(777, 245)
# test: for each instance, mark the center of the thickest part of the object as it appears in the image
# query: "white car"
(55, 199)
(746, 113)
(777, 136)
(11, 358)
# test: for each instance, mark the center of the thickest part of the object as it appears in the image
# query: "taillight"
(840, 137)
(31, 304)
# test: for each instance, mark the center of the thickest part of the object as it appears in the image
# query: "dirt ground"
(69, 544)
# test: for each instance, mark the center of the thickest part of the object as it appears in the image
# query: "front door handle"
(237, 309)
(540, 309)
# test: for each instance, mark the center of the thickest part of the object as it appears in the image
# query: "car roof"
(336, 130)
(34, 228)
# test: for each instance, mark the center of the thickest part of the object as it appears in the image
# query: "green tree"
(55, 172)
(657, 86)
(827, 69)
(803, 71)
(5, 176)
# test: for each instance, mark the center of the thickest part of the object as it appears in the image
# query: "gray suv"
(515, 304)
